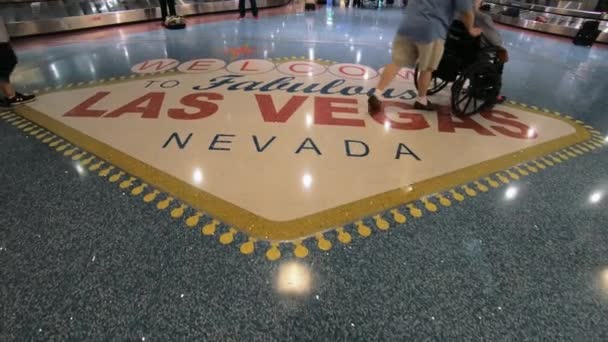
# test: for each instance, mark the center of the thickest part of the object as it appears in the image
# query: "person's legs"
(7, 89)
(163, 10)
(171, 4)
(242, 8)
(388, 74)
(405, 53)
(430, 56)
(254, 8)
(8, 61)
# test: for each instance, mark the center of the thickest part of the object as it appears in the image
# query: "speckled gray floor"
(80, 260)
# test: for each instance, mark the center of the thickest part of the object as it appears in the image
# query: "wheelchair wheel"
(437, 84)
(475, 89)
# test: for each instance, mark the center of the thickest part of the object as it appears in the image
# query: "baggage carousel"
(26, 18)
(562, 18)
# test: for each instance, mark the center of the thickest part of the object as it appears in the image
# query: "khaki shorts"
(406, 53)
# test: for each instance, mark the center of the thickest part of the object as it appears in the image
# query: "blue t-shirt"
(428, 20)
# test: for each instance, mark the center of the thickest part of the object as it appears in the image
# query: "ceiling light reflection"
(308, 120)
(387, 125)
(511, 192)
(197, 176)
(307, 181)
(294, 278)
(80, 169)
(531, 132)
(595, 197)
(604, 280)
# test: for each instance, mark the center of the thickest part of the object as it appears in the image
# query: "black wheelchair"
(474, 67)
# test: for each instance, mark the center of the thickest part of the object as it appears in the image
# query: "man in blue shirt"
(420, 39)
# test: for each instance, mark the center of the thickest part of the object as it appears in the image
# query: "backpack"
(587, 34)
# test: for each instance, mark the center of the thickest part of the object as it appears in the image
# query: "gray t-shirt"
(4, 38)
(428, 20)
(486, 24)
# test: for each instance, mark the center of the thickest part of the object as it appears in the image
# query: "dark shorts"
(8, 60)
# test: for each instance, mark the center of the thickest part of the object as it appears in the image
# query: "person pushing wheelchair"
(407, 51)
(420, 39)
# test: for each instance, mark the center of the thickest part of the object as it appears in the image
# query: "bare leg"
(388, 74)
(424, 79)
(7, 89)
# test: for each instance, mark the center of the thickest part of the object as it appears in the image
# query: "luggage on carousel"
(587, 34)
(511, 12)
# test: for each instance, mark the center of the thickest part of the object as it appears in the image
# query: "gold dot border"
(324, 241)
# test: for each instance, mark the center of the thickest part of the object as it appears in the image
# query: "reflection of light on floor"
(595, 197)
(293, 278)
(387, 125)
(511, 193)
(307, 180)
(603, 280)
(308, 120)
(80, 169)
(531, 132)
(197, 176)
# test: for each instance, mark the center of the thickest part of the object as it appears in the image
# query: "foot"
(500, 99)
(21, 98)
(256, 17)
(241, 17)
(174, 20)
(374, 105)
(428, 106)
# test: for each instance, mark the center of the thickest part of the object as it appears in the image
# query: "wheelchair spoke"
(466, 96)
(467, 105)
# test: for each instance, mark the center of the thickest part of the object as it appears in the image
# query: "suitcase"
(511, 12)
(587, 34)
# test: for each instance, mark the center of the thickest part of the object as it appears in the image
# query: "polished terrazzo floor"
(83, 260)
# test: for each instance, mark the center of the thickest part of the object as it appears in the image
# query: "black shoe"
(374, 106)
(20, 99)
(428, 106)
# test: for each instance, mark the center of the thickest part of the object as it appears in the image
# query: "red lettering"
(148, 105)
(205, 108)
(518, 129)
(344, 67)
(293, 69)
(406, 74)
(159, 65)
(415, 121)
(448, 124)
(82, 110)
(244, 67)
(324, 110)
(269, 110)
(196, 66)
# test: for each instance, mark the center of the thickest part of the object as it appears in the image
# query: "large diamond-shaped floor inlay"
(282, 157)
